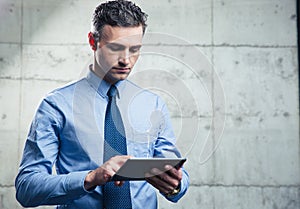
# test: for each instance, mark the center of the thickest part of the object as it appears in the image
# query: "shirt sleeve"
(165, 146)
(35, 184)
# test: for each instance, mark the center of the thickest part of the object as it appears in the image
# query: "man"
(89, 128)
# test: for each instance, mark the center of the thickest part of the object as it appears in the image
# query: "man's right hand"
(104, 173)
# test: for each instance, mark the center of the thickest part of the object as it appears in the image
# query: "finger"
(175, 173)
(163, 182)
(119, 183)
(108, 171)
(118, 160)
(122, 158)
(114, 163)
(166, 177)
(159, 183)
(111, 166)
(106, 177)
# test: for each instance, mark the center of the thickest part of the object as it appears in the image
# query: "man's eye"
(115, 47)
(135, 49)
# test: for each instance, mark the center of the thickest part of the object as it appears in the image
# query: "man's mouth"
(121, 69)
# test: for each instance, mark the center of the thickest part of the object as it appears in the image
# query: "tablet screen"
(135, 168)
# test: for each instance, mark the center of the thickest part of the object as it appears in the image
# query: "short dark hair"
(120, 13)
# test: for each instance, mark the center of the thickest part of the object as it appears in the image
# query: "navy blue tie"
(114, 144)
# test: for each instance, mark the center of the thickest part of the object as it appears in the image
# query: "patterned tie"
(114, 144)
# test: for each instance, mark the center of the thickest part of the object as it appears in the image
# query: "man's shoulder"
(138, 90)
(65, 91)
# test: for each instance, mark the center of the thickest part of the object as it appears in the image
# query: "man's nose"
(124, 58)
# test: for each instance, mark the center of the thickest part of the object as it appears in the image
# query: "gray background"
(252, 47)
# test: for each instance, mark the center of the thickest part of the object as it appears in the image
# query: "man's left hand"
(166, 181)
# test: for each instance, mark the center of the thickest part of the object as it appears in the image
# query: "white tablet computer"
(135, 168)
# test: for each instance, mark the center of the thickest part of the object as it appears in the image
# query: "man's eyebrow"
(136, 46)
(113, 44)
(121, 45)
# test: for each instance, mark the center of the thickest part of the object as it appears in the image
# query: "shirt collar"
(102, 86)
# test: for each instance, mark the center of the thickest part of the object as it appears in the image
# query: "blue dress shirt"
(68, 132)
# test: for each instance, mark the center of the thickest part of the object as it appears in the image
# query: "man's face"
(117, 52)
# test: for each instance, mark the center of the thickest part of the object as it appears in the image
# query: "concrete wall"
(224, 64)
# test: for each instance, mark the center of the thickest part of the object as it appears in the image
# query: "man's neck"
(100, 73)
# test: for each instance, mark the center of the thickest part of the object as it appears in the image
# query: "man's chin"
(120, 78)
(121, 75)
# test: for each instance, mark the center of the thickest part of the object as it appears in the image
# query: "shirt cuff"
(75, 183)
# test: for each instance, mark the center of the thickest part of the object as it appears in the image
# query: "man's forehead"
(133, 35)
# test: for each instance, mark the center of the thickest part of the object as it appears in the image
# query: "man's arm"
(34, 184)
(174, 180)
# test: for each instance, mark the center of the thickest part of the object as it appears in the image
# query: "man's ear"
(92, 41)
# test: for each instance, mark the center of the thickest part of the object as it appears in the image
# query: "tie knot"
(112, 91)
